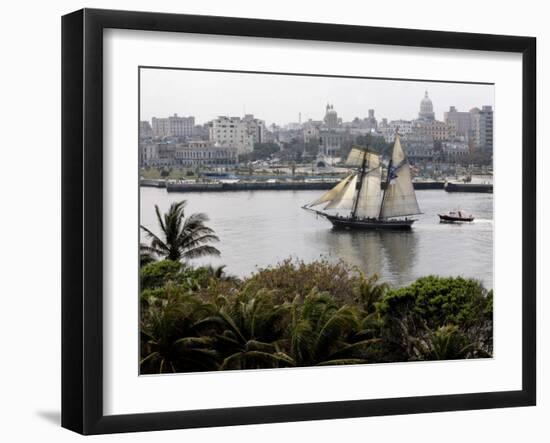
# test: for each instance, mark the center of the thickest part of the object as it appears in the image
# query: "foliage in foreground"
(297, 314)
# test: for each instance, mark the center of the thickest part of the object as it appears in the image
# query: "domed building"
(426, 109)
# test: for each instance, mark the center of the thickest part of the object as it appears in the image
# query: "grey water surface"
(261, 228)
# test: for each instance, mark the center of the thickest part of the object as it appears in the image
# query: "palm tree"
(145, 255)
(320, 332)
(248, 329)
(170, 339)
(448, 343)
(369, 291)
(182, 237)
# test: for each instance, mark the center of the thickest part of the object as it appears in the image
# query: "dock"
(152, 183)
(469, 187)
(173, 186)
(249, 186)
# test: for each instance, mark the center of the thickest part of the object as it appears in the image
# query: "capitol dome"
(426, 108)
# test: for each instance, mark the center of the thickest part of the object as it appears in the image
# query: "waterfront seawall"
(249, 186)
(469, 187)
(261, 186)
(151, 183)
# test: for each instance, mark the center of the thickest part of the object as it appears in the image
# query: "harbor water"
(261, 228)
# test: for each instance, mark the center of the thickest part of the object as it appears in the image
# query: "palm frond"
(156, 242)
(201, 251)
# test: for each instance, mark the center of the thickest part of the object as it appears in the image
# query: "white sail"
(332, 193)
(399, 198)
(344, 200)
(356, 156)
(370, 195)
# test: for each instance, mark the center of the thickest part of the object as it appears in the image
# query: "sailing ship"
(361, 193)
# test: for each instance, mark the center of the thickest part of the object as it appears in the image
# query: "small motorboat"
(456, 216)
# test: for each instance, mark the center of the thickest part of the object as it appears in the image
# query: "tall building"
(173, 126)
(486, 127)
(256, 128)
(462, 121)
(482, 128)
(426, 109)
(237, 133)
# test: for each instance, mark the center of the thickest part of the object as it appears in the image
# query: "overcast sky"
(279, 98)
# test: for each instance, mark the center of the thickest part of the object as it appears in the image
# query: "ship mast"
(356, 202)
(388, 176)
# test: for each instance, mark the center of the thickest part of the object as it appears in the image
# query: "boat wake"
(482, 221)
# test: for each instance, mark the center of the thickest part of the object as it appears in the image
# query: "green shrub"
(305, 314)
(295, 277)
(159, 273)
(440, 301)
(411, 314)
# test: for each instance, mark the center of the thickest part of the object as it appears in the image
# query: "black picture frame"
(82, 190)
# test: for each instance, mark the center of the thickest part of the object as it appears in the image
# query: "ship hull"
(451, 219)
(369, 224)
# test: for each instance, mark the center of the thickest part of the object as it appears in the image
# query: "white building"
(192, 153)
(330, 143)
(148, 154)
(387, 129)
(203, 153)
(434, 128)
(173, 126)
(237, 133)
(404, 127)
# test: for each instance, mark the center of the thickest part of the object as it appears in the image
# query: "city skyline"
(279, 99)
